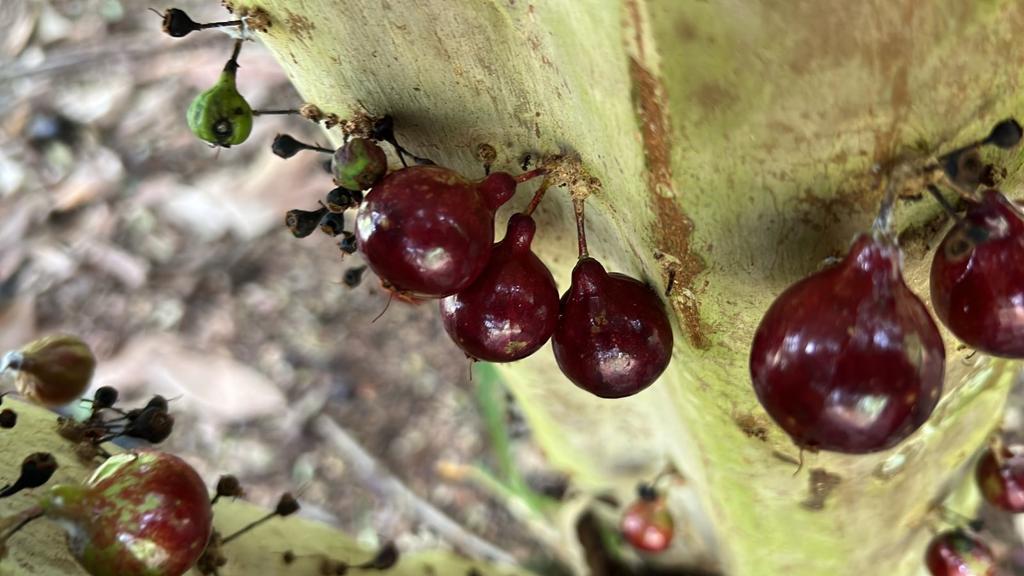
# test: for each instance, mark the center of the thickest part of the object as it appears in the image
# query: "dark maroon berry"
(647, 523)
(613, 337)
(977, 281)
(8, 418)
(426, 230)
(848, 359)
(957, 553)
(104, 397)
(359, 164)
(512, 308)
(1001, 480)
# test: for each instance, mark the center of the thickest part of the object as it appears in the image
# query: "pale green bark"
(758, 121)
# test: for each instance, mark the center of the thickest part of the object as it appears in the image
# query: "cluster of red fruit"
(428, 233)
(850, 360)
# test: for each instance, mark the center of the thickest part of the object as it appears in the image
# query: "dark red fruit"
(848, 359)
(142, 514)
(957, 553)
(511, 309)
(977, 278)
(428, 231)
(613, 337)
(647, 523)
(1001, 480)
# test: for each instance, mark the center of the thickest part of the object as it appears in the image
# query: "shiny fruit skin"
(956, 553)
(613, 337)
(54, 370)
(848, 359)
(512, 308)
(359, 164)
(427, 231)
(140, 514)
(1001, 481)
(220, 115)
(977, 286)
(647, 525)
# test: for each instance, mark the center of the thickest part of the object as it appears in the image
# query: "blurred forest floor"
(172, 260)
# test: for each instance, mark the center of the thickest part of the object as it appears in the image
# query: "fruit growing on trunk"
(140, 514)
(613, 337)
(52, 370)
(647, 523)
(848, 359)
(1000, 477)
(511, 309)
(428, 231)
(977, 277)
(359, 164)
(957, 553)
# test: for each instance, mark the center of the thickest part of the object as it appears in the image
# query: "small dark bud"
(178, 24)
(383, 129)
(340, 199)
(104, 397)
(158, 402)
(340, 569)
(302, 223)
(288, 557)
(285, 146)
(332, 223)
(152, 425)
(353, 276)
(8, 418)
(1006, 134)
(228, 486)
(646, 492)
(385, 559)
(287, 505)
(347, 242)
(357, 196)
(37, 469)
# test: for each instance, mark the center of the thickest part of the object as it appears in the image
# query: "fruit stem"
(538, 196)
(280, 112)
(224, 24)
(581, 229)
(232, 64)
(17, 522)
(527, 176)
(946, 206)
(883, 222)
(247, 528)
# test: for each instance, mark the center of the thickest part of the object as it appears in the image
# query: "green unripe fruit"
(359, 164)
(220, 115)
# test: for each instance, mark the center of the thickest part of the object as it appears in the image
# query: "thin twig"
(377, 478)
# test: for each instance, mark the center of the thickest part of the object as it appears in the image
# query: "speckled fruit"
(848, 359)
(141, 514)
(956, 553)
(977, 277)
(359, 164)
(428, 231)
(53, 370)
(613, 337)
(511, 309)
(1001, 480)
(647, 524)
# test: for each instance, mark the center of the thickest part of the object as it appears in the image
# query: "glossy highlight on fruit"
(613, 337)
(53, 370)
(1001, 480)
(977, 277)
(647, 524)
(957, 553)
(359, 164)
(220, 115)
(140, 514)
(511, 309)
(427, 231)
(848, 359)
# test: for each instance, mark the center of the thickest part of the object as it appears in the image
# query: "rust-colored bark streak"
(672, 227)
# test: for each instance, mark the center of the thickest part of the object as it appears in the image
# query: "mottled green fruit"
(220, 115)
(359, 164)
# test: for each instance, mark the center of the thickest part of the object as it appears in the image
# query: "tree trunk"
(739, 143)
